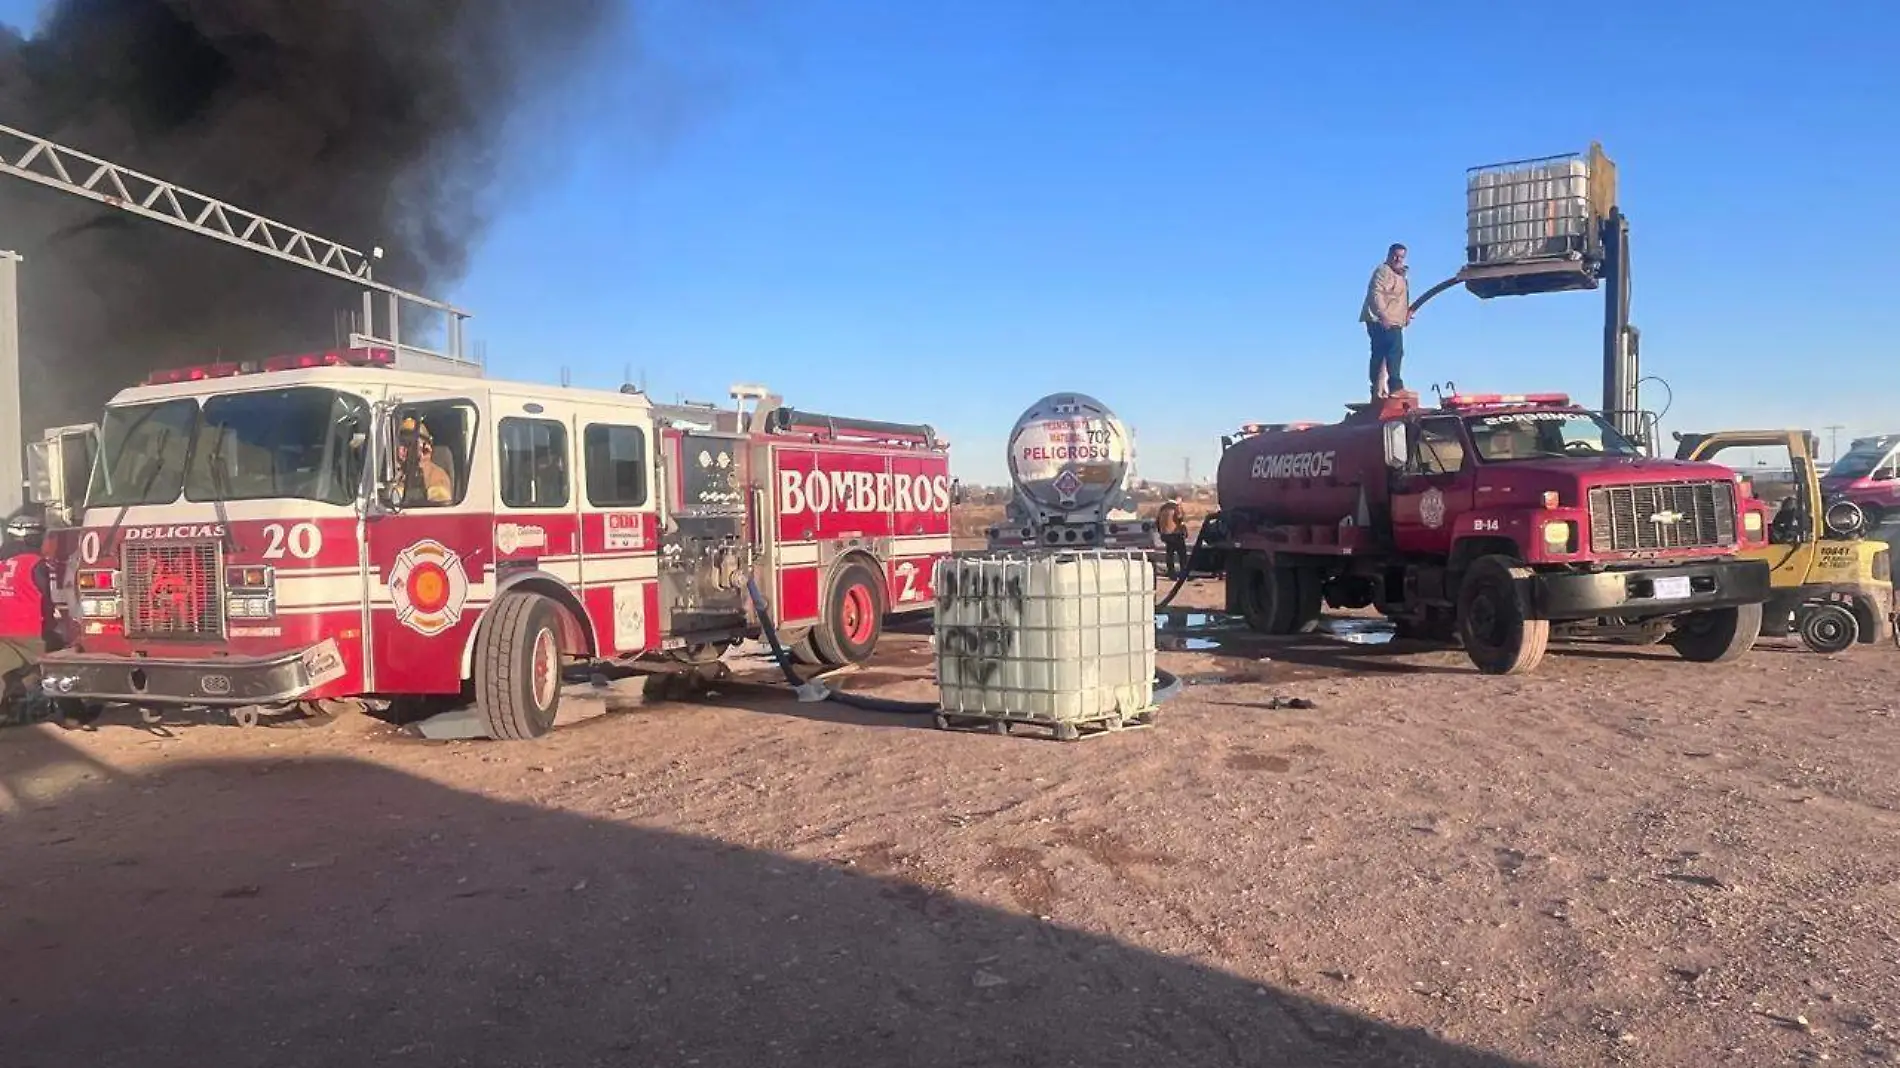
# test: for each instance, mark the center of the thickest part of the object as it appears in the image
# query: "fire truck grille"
(1662, 515)
(173, 591)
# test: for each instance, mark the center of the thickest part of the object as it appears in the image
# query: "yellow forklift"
(1830, 583)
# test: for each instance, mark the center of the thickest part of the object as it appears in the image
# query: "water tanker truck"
(1492, 519)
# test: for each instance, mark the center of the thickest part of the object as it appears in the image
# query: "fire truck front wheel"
(1494, 620)
(518, 666)
(854, 617)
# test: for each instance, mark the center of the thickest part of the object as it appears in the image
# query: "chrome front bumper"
(216, 681)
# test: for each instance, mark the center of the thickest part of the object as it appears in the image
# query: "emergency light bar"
(365, 357)
(1494, 400)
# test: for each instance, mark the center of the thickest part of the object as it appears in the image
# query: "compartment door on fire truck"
(619, 527)
(427, 544)
(1432, 493)
(702, 578)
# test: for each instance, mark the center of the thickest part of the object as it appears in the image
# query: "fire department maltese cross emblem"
(1067, 483)
(1431, 508)
(429, 587)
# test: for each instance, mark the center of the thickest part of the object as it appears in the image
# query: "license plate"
(1674, 588)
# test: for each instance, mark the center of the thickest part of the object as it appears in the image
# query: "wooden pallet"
(1062, 732)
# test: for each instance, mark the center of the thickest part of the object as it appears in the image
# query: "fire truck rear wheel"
(1311, 584)
(1499, 635)
(1269, 597)
(805, 650)
(1718, 635)
(853, 620)
(518, 667)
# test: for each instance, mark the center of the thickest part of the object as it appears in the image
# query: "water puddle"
(1359, 631)
(1196, 621)
(1175, 643)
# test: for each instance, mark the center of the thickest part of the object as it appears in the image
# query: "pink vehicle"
(1868, 474)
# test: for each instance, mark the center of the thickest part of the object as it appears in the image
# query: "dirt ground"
(1623, 859)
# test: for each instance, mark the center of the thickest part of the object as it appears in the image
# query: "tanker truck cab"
(1494, 518)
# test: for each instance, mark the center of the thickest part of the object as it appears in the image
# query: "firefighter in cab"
(419, 479)
(26, 606)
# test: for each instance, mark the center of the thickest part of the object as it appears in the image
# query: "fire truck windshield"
(302, 442)
(1509, 436)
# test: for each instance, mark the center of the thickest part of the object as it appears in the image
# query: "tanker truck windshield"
(1513, 436)
(303, 442)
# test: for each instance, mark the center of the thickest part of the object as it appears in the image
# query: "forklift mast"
(1622, 362)
(1552, 225)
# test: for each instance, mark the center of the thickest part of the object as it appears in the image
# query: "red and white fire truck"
(308, 529)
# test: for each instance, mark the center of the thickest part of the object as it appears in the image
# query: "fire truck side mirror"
(956, 491)
(385, 434)
(1397, 455)
(40, 488)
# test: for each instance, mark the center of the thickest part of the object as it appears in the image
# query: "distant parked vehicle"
(1868, 474)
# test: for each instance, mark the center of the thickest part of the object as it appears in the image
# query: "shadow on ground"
(330, 912)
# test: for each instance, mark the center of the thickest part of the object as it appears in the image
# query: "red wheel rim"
(546, 678)
(859, 615)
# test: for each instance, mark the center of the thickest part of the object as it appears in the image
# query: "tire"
(1311, 586)
(1499, 634)
(853, 619)
(1269, 598)
(1718, 635)
(1829, 628)
(518, 667)
(805, 650)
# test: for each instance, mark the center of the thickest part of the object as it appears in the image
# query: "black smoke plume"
(369, 122)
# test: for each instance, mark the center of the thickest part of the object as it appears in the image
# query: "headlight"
(1751, 521)
(1883, 566)
(99, 607)
(1560, 536)
(250, 608)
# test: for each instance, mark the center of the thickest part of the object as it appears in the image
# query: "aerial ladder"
(55, 166)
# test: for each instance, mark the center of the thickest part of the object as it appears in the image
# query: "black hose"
(1187, 569)
(1166, 685)
(779, 655)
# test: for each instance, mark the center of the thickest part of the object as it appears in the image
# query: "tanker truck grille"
(1662, 515)
(173, 591)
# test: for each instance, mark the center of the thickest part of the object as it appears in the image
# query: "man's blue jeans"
(1388, 353)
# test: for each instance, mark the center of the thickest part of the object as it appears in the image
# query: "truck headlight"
(99, 607)
(1751, 521)
(1560, 536)
(1883, 566)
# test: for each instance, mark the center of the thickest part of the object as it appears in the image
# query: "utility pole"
(1833, 442)
(12, 441)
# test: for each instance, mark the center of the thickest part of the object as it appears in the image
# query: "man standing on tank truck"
(1386, 312)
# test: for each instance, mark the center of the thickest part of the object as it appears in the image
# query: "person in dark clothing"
(1173, 533)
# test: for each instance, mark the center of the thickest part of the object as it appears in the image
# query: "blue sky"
(942, 211)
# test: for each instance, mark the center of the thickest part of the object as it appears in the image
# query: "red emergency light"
(1496, 400)
(362, 357)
